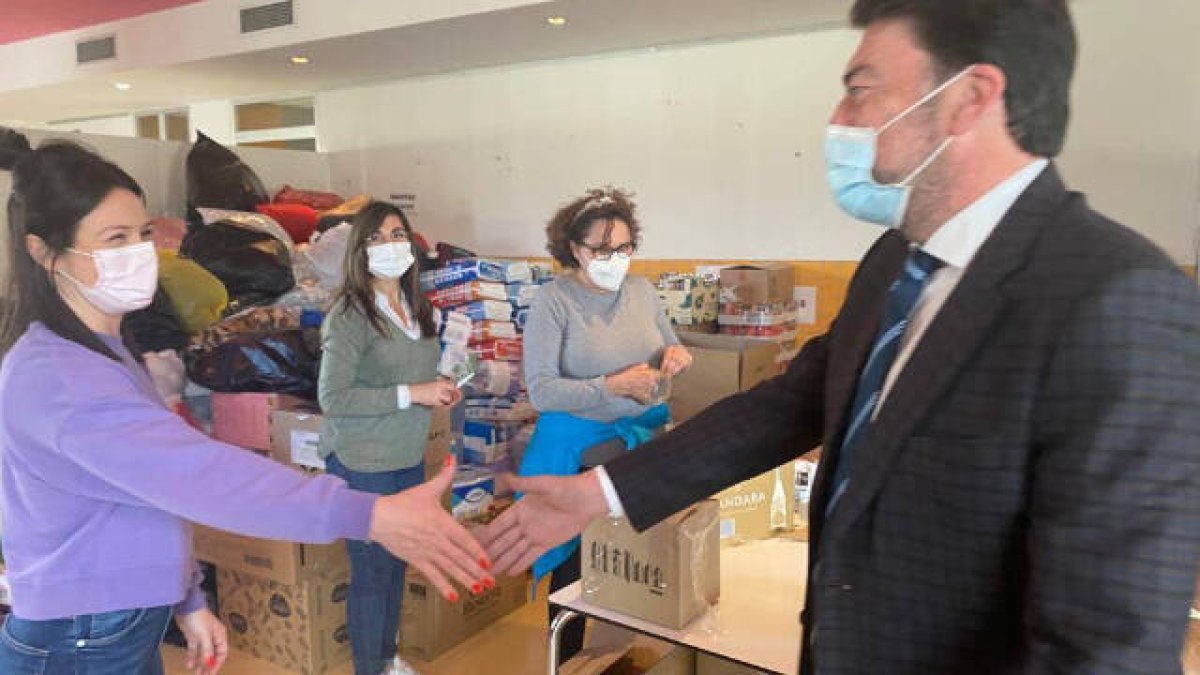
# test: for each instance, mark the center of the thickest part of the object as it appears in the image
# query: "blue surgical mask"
(850, 164)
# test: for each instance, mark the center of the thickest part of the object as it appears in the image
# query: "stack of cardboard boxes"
(286, 602)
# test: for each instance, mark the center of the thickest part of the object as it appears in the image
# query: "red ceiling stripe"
(25, 19)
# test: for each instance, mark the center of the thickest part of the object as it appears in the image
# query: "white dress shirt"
(955, 243)
(409, 328)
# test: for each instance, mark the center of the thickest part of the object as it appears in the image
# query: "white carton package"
(473, 492)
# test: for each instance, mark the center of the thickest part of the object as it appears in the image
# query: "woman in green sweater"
(377, 388)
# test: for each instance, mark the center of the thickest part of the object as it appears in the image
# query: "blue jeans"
(113, 643)
(376, 576)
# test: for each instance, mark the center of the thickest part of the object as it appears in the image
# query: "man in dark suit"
(1009, 400)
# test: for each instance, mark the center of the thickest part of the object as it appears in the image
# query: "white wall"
(159, 167)
(215, 119)
(722, 142)
(121, 125)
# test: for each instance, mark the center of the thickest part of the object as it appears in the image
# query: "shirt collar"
(959, 239)
(385, 306)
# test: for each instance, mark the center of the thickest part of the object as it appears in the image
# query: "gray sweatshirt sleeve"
(549, 390)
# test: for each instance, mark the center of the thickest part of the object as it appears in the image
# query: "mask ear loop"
(944, 144)
(54, 270)
(925, 165)
(923, 100)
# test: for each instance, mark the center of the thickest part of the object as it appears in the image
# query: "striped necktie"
(902, 296)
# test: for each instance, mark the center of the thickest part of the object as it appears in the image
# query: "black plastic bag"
(218, 179)
(13, 146)
(255, 267)
(447, 252)
(154, 328)
(286, 362)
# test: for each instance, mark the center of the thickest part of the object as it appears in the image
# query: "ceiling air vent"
(263, 17)
(96, 50)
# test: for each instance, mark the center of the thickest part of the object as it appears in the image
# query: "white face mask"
(391, 260)
(126, 278)
(608, 274)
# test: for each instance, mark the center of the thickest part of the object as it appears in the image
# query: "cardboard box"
(707, 664)
(668, 575)
(760, 507)
(440, 440)
(721, 365)
(627, 659)
(245, 419)
(282, 561)
(300, 627)
(296, 437)
(678, 661)
(758, 284)
(431, 626)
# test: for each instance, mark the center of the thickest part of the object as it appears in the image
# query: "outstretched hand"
(552, 510)
(415, 527)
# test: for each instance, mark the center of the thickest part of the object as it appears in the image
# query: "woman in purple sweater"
(100, 479)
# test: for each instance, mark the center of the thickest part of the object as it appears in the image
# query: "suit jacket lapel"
(850, 341)
(959, 329)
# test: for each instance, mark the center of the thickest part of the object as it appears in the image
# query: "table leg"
(560, 621)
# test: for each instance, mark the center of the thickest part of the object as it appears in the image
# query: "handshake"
(414, 527)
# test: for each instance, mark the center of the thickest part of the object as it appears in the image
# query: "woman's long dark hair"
(54, 187)
(357, 292)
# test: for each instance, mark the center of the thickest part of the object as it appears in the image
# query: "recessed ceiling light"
(299, 60)
(556, 20)
(123, 86)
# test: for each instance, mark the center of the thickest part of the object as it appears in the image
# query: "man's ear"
(982, 91)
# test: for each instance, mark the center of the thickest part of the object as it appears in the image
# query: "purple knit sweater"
(100, 480)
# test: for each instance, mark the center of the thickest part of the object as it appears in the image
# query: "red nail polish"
(452, 597)
(212, 662)
(476, 589)
(485, 563)
(489, 584)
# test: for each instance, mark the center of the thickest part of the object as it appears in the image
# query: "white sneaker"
(399, 666)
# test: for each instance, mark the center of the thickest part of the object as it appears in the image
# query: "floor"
(515, 645)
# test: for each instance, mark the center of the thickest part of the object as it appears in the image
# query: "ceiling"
(479, 40)
(25, 19)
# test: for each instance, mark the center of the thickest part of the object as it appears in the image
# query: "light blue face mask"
(850, 164)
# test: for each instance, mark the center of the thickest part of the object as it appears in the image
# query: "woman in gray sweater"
(597, 347)
(378, 384)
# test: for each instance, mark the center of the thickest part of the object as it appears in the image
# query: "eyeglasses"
(605, 253)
